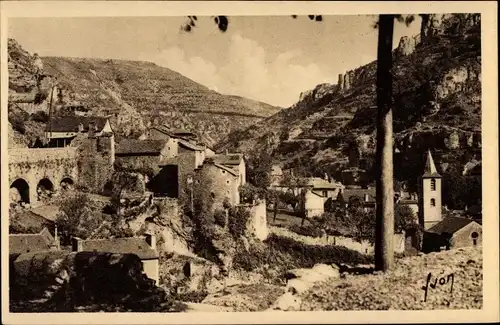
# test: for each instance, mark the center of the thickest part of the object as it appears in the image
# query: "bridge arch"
(45, 187)
(19, 191)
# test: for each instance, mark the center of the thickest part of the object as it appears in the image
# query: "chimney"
(76, 244)
(367, 198)
(227, 152)
(151, 240)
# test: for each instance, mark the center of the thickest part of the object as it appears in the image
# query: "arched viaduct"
(46, 168)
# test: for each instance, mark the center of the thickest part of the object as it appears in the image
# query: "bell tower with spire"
(429, 207)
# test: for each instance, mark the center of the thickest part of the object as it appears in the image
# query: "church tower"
(429, 207)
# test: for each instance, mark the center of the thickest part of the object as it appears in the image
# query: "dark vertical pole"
(384, 251)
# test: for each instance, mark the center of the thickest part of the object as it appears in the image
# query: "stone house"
(134, 154)
(234, 161)
(143, 247)
(325, 188)
(31, 243)
(61, 130)
(313, 203)
(452, 232)
(365, 196)
(217, 184)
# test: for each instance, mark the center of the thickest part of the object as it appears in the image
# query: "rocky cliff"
(135, 95)
(437, 106)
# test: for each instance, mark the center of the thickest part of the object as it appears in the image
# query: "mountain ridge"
(437, 106)
(135, 94)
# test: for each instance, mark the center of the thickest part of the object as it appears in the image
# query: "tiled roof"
(450, 225)
(320, 183)
(132, 245)
(229, 170)
(163, 130)
(133, 146)
(190, 145)
(71, 123)
(228, 159)
(347, 193)
(26, 243)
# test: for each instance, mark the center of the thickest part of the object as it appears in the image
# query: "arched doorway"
(44, 189)
(19, 191)
(67, 184)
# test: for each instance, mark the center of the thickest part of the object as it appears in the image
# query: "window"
(227, 182)
(433, 202)
(474, 236)
(433, 184)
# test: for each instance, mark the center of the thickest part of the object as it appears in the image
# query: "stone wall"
(34, 165)
(216, 185)
(257, 224)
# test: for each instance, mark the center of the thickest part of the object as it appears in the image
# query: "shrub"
(284, 253)
(220, 218)
(306, 230)
(238, 219)
(40, 116)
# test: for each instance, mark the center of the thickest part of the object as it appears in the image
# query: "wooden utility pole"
(384, 247)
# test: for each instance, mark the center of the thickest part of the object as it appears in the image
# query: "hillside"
(401, 289)
(437, 105)
(136, 94)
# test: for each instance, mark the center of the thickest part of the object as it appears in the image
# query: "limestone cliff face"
(437, 105)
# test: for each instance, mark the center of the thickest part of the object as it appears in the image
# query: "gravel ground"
(402, 288)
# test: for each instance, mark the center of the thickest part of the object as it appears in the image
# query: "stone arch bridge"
(34, 170)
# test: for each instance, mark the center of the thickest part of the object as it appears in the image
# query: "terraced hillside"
(437, 106)
(136, 94)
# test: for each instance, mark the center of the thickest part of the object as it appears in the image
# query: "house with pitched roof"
(217, 184)
(234, 161)
(452, 232)
(366, 197)
(144, 247)
(61, 130)
(32, 243)
(134, 154)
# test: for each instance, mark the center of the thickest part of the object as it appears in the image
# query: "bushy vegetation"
(282, 254)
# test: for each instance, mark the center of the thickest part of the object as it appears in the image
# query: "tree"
(384, 232)
(76, 218)
(259, 171)
(384, 251)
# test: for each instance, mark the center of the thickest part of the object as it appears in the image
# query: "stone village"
(186, 170)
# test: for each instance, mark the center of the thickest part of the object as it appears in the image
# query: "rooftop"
(191, 146)
(131, 245)
(228, 159)
(29, 243)
(346, 194)
(137, 147)
(71, 123)
(450, 225)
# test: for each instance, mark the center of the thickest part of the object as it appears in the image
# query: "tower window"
(433, 184)
(474, 236)
(433, 202)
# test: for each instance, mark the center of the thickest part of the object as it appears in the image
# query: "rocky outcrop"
(65, 280)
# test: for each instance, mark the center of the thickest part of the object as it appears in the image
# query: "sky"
(267, 58)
